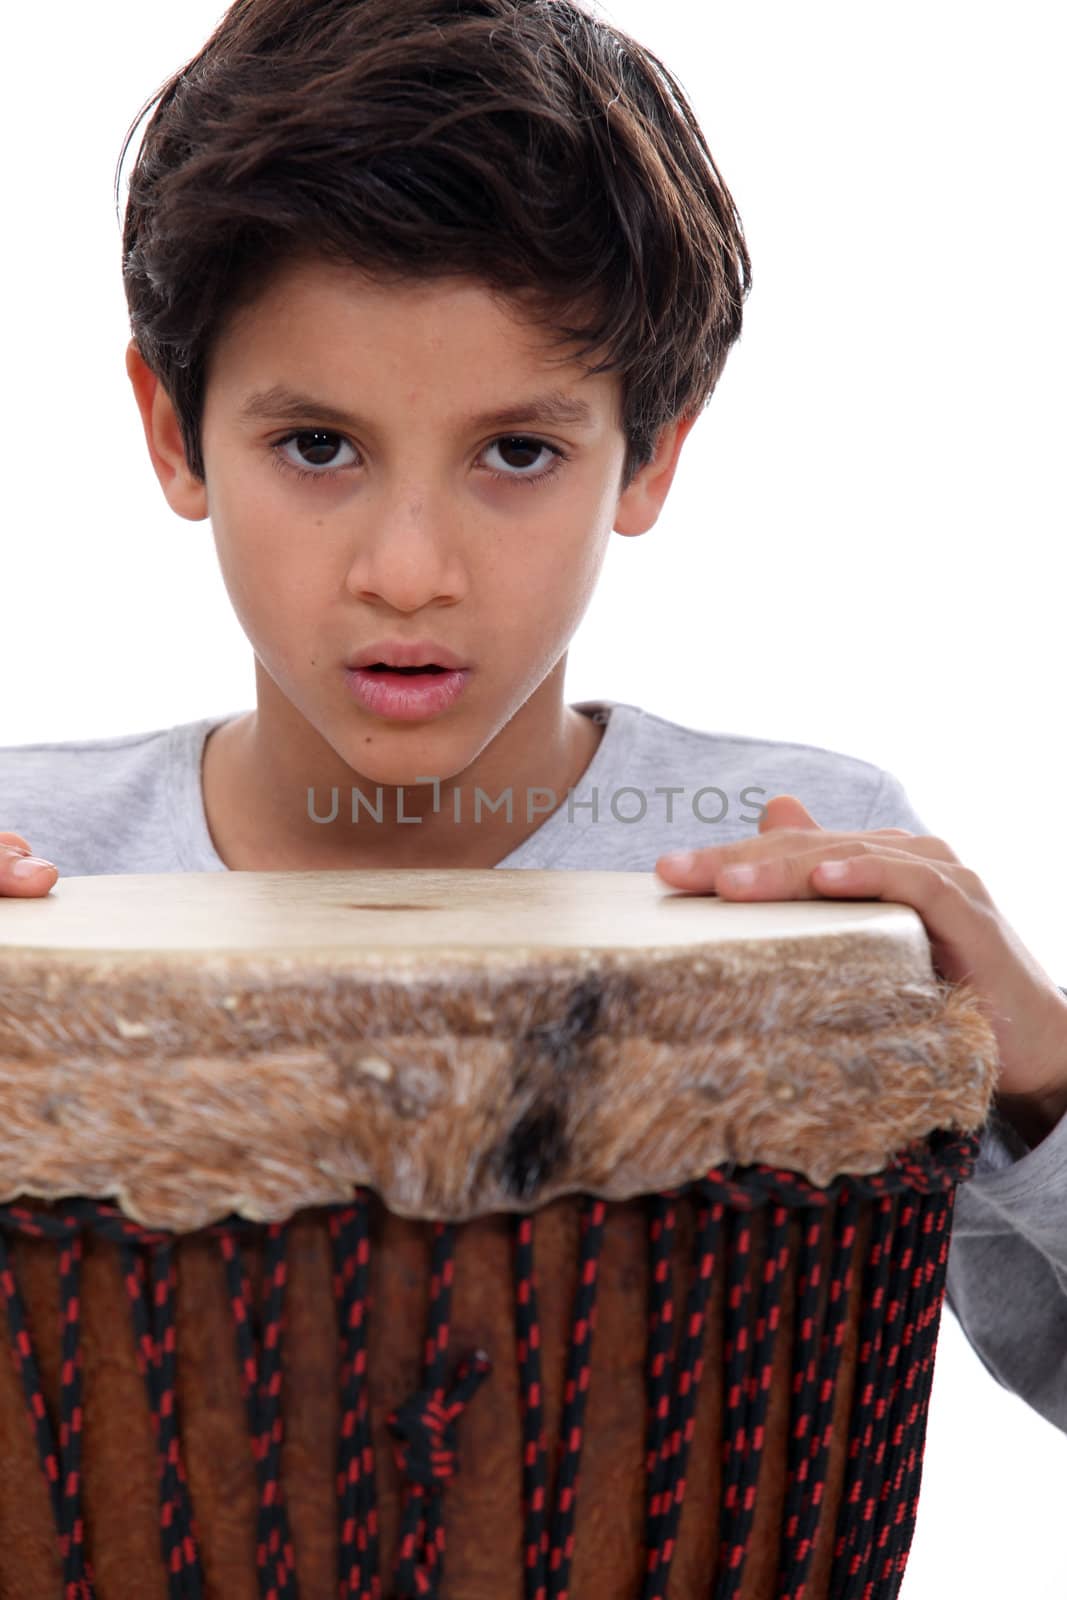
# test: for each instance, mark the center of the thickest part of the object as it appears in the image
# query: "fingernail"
(682, 861)
(26, 866)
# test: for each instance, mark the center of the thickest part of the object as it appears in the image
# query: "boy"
(373, 245)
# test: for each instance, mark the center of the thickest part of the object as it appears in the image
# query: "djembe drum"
(500, 1235)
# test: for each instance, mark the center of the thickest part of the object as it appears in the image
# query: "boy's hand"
(969, 938)
(21, 873)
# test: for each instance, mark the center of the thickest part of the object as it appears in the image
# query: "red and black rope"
(548, 1545)
(72, 1532)
(534, 1455)
(150, 1283)
(61, 1467)
(747, 1398)
(928, 1285)
(673, 1391)
(884, 1445)
(425, 1431)
(575, 1394)
(902, 1294)
(259, 1360)
(817, 1358)
(358, 1572)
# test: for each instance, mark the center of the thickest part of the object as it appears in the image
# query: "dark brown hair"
(524, 144)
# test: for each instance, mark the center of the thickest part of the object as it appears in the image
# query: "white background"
(863, 548)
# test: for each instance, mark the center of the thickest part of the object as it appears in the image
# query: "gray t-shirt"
(135, 804)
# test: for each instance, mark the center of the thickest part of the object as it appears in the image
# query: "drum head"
(463, 1041)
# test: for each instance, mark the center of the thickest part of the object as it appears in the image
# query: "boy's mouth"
(384, 666)
(407, 694)
(408, 657)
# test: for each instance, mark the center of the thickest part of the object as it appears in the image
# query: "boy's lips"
(405, 697)
(400, 653)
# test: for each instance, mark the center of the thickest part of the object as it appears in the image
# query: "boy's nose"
(406, 567)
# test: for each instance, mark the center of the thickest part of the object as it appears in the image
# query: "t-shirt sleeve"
(891, 808)
(1007, 1265)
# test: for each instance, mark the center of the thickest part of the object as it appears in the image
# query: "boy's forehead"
(308, 283)
(295, 332)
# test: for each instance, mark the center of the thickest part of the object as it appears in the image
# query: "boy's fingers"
(23, 874)
(17, 840)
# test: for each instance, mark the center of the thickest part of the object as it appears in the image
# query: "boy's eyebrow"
(283, 404)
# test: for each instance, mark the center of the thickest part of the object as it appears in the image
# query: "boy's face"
(414, 522)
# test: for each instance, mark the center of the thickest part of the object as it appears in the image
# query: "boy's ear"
(639, 508)
(185, 493)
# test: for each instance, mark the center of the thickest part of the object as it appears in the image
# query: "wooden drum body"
(485, 1234)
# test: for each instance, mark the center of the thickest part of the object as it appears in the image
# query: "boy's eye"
(312, 443)
(317, 448)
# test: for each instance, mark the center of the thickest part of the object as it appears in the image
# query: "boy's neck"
(244, 782)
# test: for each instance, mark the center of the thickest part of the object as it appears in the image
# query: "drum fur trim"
(262, 1090)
